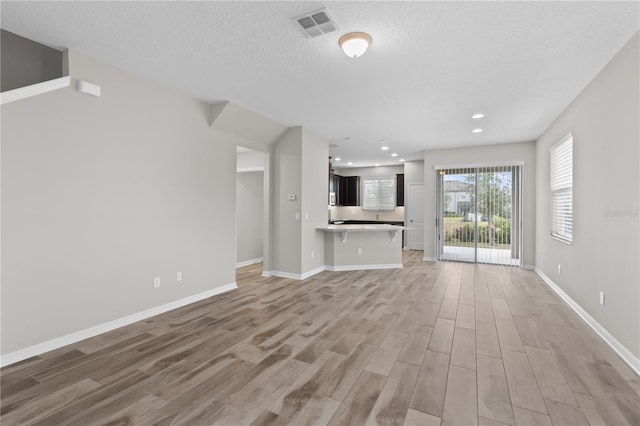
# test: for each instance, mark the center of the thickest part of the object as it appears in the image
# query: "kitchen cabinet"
(400, 190)
(349, 191)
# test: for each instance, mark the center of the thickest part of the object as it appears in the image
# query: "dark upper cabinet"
(346, 188)
(349, 191)
(400, 190)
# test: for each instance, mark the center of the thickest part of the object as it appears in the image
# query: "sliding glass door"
(479, 214)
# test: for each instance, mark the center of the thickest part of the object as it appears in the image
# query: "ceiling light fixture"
(384, 148)
(402, 160)
(394, 155)
(476, 131)
(478, 115)
(377, 165)
(355, 44)
(337, 158)
(349, 163)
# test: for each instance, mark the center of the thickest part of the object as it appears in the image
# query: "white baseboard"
(281, 274)
(49, 345)
(249, 262)
(619, 348)
(313, 272)
(429, 259)
(293, 276)
(363, 267)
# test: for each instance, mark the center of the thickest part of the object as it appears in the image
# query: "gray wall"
(287, 231)
(102, 195)
(315, 183)
(249, 208)
(25, 62)
(413, 172)
(370, 171)
(251, 161)
(300, 161)
(502, 153)
(605, 252)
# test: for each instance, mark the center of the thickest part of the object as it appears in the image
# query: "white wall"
(101, 195)
(249, 208)
(315, 184)
(287, 231)
(413, 172)
(251, 161)
(604, 256)
(381, 171)
(502, 153)
(302, 169)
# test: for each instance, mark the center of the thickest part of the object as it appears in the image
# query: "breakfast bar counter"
(356, 247)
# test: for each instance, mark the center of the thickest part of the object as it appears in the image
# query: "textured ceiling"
(430, 67)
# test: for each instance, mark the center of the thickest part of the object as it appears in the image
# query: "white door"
(415, 216)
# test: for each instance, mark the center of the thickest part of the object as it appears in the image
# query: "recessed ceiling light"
(349, 163)
(394, 155)
(476, 131)
(377, 165)
(402, 160)
(384, 148)
(338, 158)
(478, 115)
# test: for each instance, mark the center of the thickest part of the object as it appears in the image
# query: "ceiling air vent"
(316, 23)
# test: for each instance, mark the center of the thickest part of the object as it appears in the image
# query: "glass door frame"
(516, 208)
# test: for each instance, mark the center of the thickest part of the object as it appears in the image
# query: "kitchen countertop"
(360, 228)
(365, 222)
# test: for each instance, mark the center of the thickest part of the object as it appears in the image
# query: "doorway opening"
(478, 218)
(251, 209)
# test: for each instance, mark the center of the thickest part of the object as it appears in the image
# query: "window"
(561, 166)
(379, 193)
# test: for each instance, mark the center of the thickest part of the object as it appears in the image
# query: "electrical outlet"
(312, 254)
(359, 250)
(559, 269)
(179, 276)
(602, 298)
(156, 282)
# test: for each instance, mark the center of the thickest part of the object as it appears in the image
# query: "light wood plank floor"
(433, 343)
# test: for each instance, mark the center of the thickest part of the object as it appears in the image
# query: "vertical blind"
(561, 179)
(479, 214)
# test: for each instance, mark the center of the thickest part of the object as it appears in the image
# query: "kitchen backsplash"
(356, 213)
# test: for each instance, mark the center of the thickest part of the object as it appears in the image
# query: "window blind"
(379, 193)
(561, 180)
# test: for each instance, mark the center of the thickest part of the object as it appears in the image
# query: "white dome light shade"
(355, 44)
